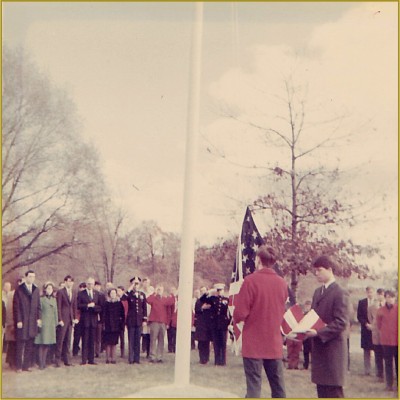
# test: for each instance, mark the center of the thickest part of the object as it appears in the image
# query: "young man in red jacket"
(387, 323)
(260, 304)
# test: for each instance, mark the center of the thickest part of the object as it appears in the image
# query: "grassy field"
(121, 380)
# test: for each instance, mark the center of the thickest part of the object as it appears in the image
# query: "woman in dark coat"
(114, 320)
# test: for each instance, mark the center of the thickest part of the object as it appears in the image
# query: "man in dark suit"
(329, 347)
(27, 320)
(366, 332)
(66, 307)
(89, 307)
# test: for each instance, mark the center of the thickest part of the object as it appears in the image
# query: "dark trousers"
(122, 341)
(88, 338)
(378, 351)
(63, 343)
(273, 369)
(24, 353)
(98, 348)
(330, 392)
(390, 353)
(77, 338)
(219, 342)
(146, 344)
(134, 333)
(204, 351)
(192, 341)
(11, 353)
(306, 352)
(171, 337)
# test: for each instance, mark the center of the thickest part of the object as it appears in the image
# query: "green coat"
(47, 333)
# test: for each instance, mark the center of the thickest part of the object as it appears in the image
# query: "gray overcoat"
(329, 347)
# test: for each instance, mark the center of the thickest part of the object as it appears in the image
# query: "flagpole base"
(184, 391)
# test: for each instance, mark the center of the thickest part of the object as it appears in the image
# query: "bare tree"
(42, 165)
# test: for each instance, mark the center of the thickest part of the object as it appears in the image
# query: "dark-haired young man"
(329, 347)
(66, 308)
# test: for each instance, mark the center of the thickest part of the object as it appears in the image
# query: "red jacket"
(387, 323)
(159, 312)
(261, 305)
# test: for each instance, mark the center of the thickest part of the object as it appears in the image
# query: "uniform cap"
(219, 286)
(135, 279)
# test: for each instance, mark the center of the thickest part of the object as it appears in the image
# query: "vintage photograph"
(199, 199)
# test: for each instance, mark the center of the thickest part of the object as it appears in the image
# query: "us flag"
(248, 243)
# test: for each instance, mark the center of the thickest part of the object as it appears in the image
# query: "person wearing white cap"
(220, 320)
(136, 318)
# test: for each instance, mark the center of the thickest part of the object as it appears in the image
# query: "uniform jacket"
(203, 321)
(26, 309)
(89, 316)
(159, 306)
(220, 315)
(137, 308)
(329, 347)
(387, 323)
(66, 308)
(362, 316)
(260, 304)
(113, 316)
(47, 333)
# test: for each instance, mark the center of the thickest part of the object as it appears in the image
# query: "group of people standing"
(378, 317)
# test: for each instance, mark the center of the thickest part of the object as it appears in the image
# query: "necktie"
(322, 289)
(90, 295)
(69, 294)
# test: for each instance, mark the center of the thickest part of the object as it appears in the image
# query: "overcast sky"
(126, 65)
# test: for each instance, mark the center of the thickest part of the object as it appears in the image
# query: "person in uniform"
(220, 320)
(329, 345)
(135, 319)
(203, 332)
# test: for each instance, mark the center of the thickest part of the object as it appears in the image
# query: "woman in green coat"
(47, 333)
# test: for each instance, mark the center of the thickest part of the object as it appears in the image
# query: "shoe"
(92, 363)
(83, 363)
(26, 370)
(107, 362)
(68, 364)
(96, 355)
(57, 365)
(159, 361)
(113, 362)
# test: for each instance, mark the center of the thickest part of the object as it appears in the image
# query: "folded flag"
(295, 324)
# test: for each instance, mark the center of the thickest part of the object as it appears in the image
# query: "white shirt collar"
(327, 284)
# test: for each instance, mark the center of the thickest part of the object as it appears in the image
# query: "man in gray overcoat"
(27, 320)
(329, 347)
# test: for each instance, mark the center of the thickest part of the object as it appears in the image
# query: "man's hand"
(205, 306)
(39, 323)
(144, 323)
(311, 333)
(19, 325)
(91, 304)
(368, 326)
(61, 323)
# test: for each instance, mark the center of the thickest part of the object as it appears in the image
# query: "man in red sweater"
(157, 320)
(260, 304)
(387, 323)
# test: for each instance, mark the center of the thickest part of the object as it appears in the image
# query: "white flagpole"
(183, 348)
